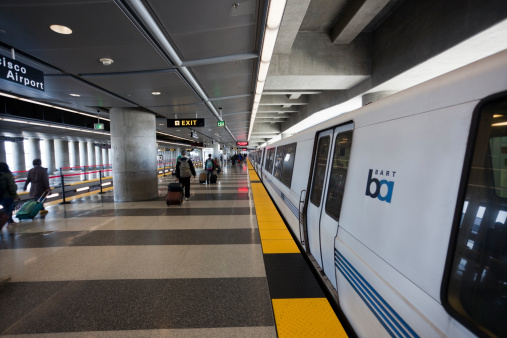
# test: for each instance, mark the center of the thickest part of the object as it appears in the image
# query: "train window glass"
(269, 160)
(288, 164)
(320, 170)
(477, 288)
(338, 175)
(280, 155)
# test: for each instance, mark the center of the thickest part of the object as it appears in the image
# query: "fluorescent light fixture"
(52, 126)
(75, 95)
(499, 124)
(275, 13)
(263, 71)
(257, 98)
(259, 88)
(156, 93)
(82, 189)
(269, 44)
(61, 29)
(159, 132)
(50, 105)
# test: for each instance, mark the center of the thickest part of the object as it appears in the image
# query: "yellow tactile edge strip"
(301, 317)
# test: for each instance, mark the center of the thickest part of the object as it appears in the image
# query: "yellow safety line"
(301, 317)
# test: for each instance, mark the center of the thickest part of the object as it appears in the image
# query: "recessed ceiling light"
(156, 93)
(178, 130)
(61, 29)
(106, 61)
(75, 95)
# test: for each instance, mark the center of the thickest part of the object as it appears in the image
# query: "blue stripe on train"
(386, 315)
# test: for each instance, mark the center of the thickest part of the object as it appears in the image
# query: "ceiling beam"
(282, 100)
(355, 18)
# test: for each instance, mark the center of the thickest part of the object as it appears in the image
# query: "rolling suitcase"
(31, 208)
(175, 194)
(213, 179)
(202, 178)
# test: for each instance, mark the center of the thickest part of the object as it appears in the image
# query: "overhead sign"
(193, 134)
(98, 126)
(221, 123)
(14, 71)
(177, 123)
(242, 143)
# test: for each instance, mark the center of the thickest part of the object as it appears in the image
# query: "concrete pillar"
(98, 155)
(3, 153)
(109, 156)
(134, 154)
(91, 153)
(32, 150)
(61, 154)
(74, 154)
(375, 96)
(83, 153)
(18, 154)
(216, 150)
(49, 156)
(105, 160)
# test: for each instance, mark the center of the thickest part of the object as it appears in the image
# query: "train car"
(403, 205)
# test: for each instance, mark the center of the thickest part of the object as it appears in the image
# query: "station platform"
(223, 264)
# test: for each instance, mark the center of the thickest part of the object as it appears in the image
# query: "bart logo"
(377, 184)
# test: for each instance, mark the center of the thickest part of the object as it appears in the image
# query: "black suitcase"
(213, 178)
(175, 187)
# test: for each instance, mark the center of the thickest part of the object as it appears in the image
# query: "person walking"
(8, 191)
(39, 179)
(209, 166)
(184, 170)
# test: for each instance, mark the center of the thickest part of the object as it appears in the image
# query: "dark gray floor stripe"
(214, 195)
(170, 211)
(130, 237)
(106, 305)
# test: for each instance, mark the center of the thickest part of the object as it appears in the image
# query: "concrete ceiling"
(204, 55)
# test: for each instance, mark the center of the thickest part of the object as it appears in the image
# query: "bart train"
(403, 205)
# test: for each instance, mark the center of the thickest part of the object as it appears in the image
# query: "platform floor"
(99, 268)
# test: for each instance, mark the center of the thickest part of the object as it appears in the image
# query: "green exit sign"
(98, 126)
(221, 123)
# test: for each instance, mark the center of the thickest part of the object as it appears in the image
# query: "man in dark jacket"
(8, 191)
(39, 178)
(184, 170)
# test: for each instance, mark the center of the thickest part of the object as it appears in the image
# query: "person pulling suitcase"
(184, 170)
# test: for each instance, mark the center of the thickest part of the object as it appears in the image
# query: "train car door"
(328, 185)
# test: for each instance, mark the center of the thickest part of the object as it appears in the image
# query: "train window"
(341, 158)
(269, 160)
(320, 170)
(477, 285)
(288, 164)
(280, 155)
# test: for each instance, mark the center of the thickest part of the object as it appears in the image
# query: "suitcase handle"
(42, 197)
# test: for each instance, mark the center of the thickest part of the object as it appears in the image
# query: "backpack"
(185, 168)
(209, 164)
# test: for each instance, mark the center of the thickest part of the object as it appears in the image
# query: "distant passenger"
(209, 166)
(184, 170)
(38, 177)
(8, 191)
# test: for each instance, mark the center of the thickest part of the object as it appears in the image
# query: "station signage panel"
(98, 126)
(242, 143)
(17, 72)
(178, 123)
(221, 124)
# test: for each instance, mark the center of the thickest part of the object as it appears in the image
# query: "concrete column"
(49, 160)
(98, 155)
(91, 153)
(109, 156)
(18, 154)
(134, 154)
(216, 150)
(83, 154)
(32, 150)
(3, 153)
(105, 160)
(61, 154)
(74, 154)
(375, 96)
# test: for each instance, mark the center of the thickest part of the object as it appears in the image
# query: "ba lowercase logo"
(381, 189)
